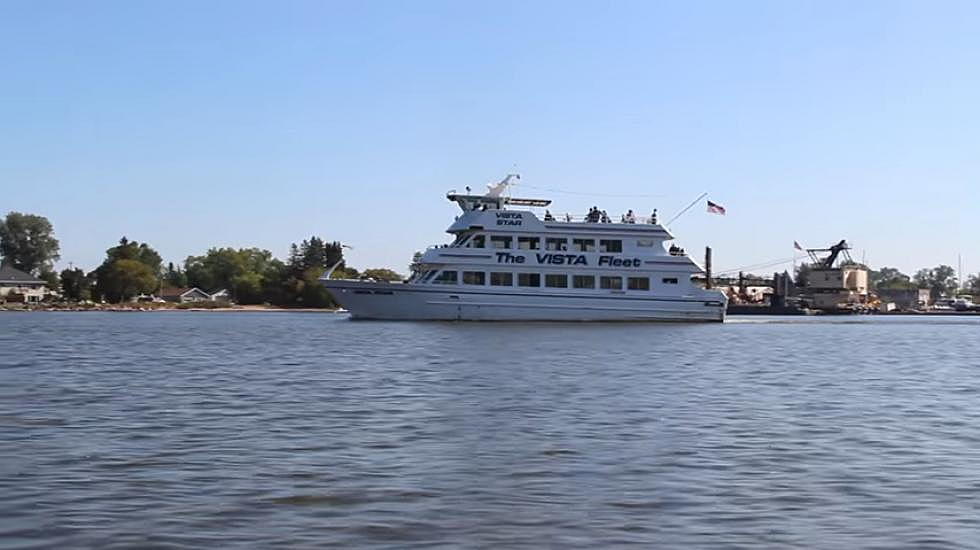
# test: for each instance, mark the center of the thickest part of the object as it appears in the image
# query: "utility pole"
(707, 267)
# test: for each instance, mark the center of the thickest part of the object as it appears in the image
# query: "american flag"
(715, 208)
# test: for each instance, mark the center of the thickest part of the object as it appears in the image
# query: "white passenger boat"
(507, 264)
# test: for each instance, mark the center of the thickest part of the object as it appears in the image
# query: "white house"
(19, 286)
(221, 295)
(184, 295)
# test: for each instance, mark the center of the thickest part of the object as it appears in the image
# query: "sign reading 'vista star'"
(510, 218)
(567, 259)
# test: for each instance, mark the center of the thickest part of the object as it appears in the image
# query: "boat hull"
(392, 301)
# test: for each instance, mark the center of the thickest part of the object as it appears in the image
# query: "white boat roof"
(491, 201)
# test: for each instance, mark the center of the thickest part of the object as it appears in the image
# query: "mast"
(959, 271)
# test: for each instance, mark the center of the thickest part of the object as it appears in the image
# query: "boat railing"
(569, 218)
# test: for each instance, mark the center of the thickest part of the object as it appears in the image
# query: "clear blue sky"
(197, 124)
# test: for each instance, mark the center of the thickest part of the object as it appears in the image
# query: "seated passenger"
(605, 217)
(653, 217)
(548, 217)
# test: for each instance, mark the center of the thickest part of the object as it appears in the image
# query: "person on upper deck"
(630, 217)
(653, 217)
(605, 217)
(548, 217)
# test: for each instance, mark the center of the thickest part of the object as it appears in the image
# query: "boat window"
(528, 279)
(461, 240)
(645, 243)
(638, 283)
(446, 278)
(583, 281)
(611, 283)
(670, 280)
(429, 274)
(528, 243)
(496, 241)
(478, 241)
(555, 243)
(610, 245)
(583, 245)
(556, 281)
(474, 278)
(501, 279)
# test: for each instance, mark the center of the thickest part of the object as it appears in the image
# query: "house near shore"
(184, 295)
(222, 295)
(20, 287)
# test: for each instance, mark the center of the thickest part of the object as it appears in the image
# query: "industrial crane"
(838, 250)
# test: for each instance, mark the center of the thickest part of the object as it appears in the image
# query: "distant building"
(906, 298)
(837, 288)
(184, 295)
(221, 295)
(15, 285)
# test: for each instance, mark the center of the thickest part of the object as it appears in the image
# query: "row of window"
(551, 280)
(505, 242)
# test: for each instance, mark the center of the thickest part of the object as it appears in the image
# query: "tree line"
(255, 276)
(132, 268)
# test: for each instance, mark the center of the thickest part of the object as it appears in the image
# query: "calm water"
(259, 430)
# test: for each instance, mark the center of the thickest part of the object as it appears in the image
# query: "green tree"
(75, 285)
(130, 268)
(312, 291)
(174, 277)
(940, 280)
(133, 250)
(889, 277)
(125, 279)
(27, 243)
(250, 274)
(51, 278)
(973, 284)
(308, 261)
(314, 252)
(247, 288)
(381, 274)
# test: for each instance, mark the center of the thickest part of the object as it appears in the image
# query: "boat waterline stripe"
(523, 295)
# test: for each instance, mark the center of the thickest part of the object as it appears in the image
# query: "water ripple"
(303, 431)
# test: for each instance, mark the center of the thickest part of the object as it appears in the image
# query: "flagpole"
(695, 201)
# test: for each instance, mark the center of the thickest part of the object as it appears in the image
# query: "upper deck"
(491, 214)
